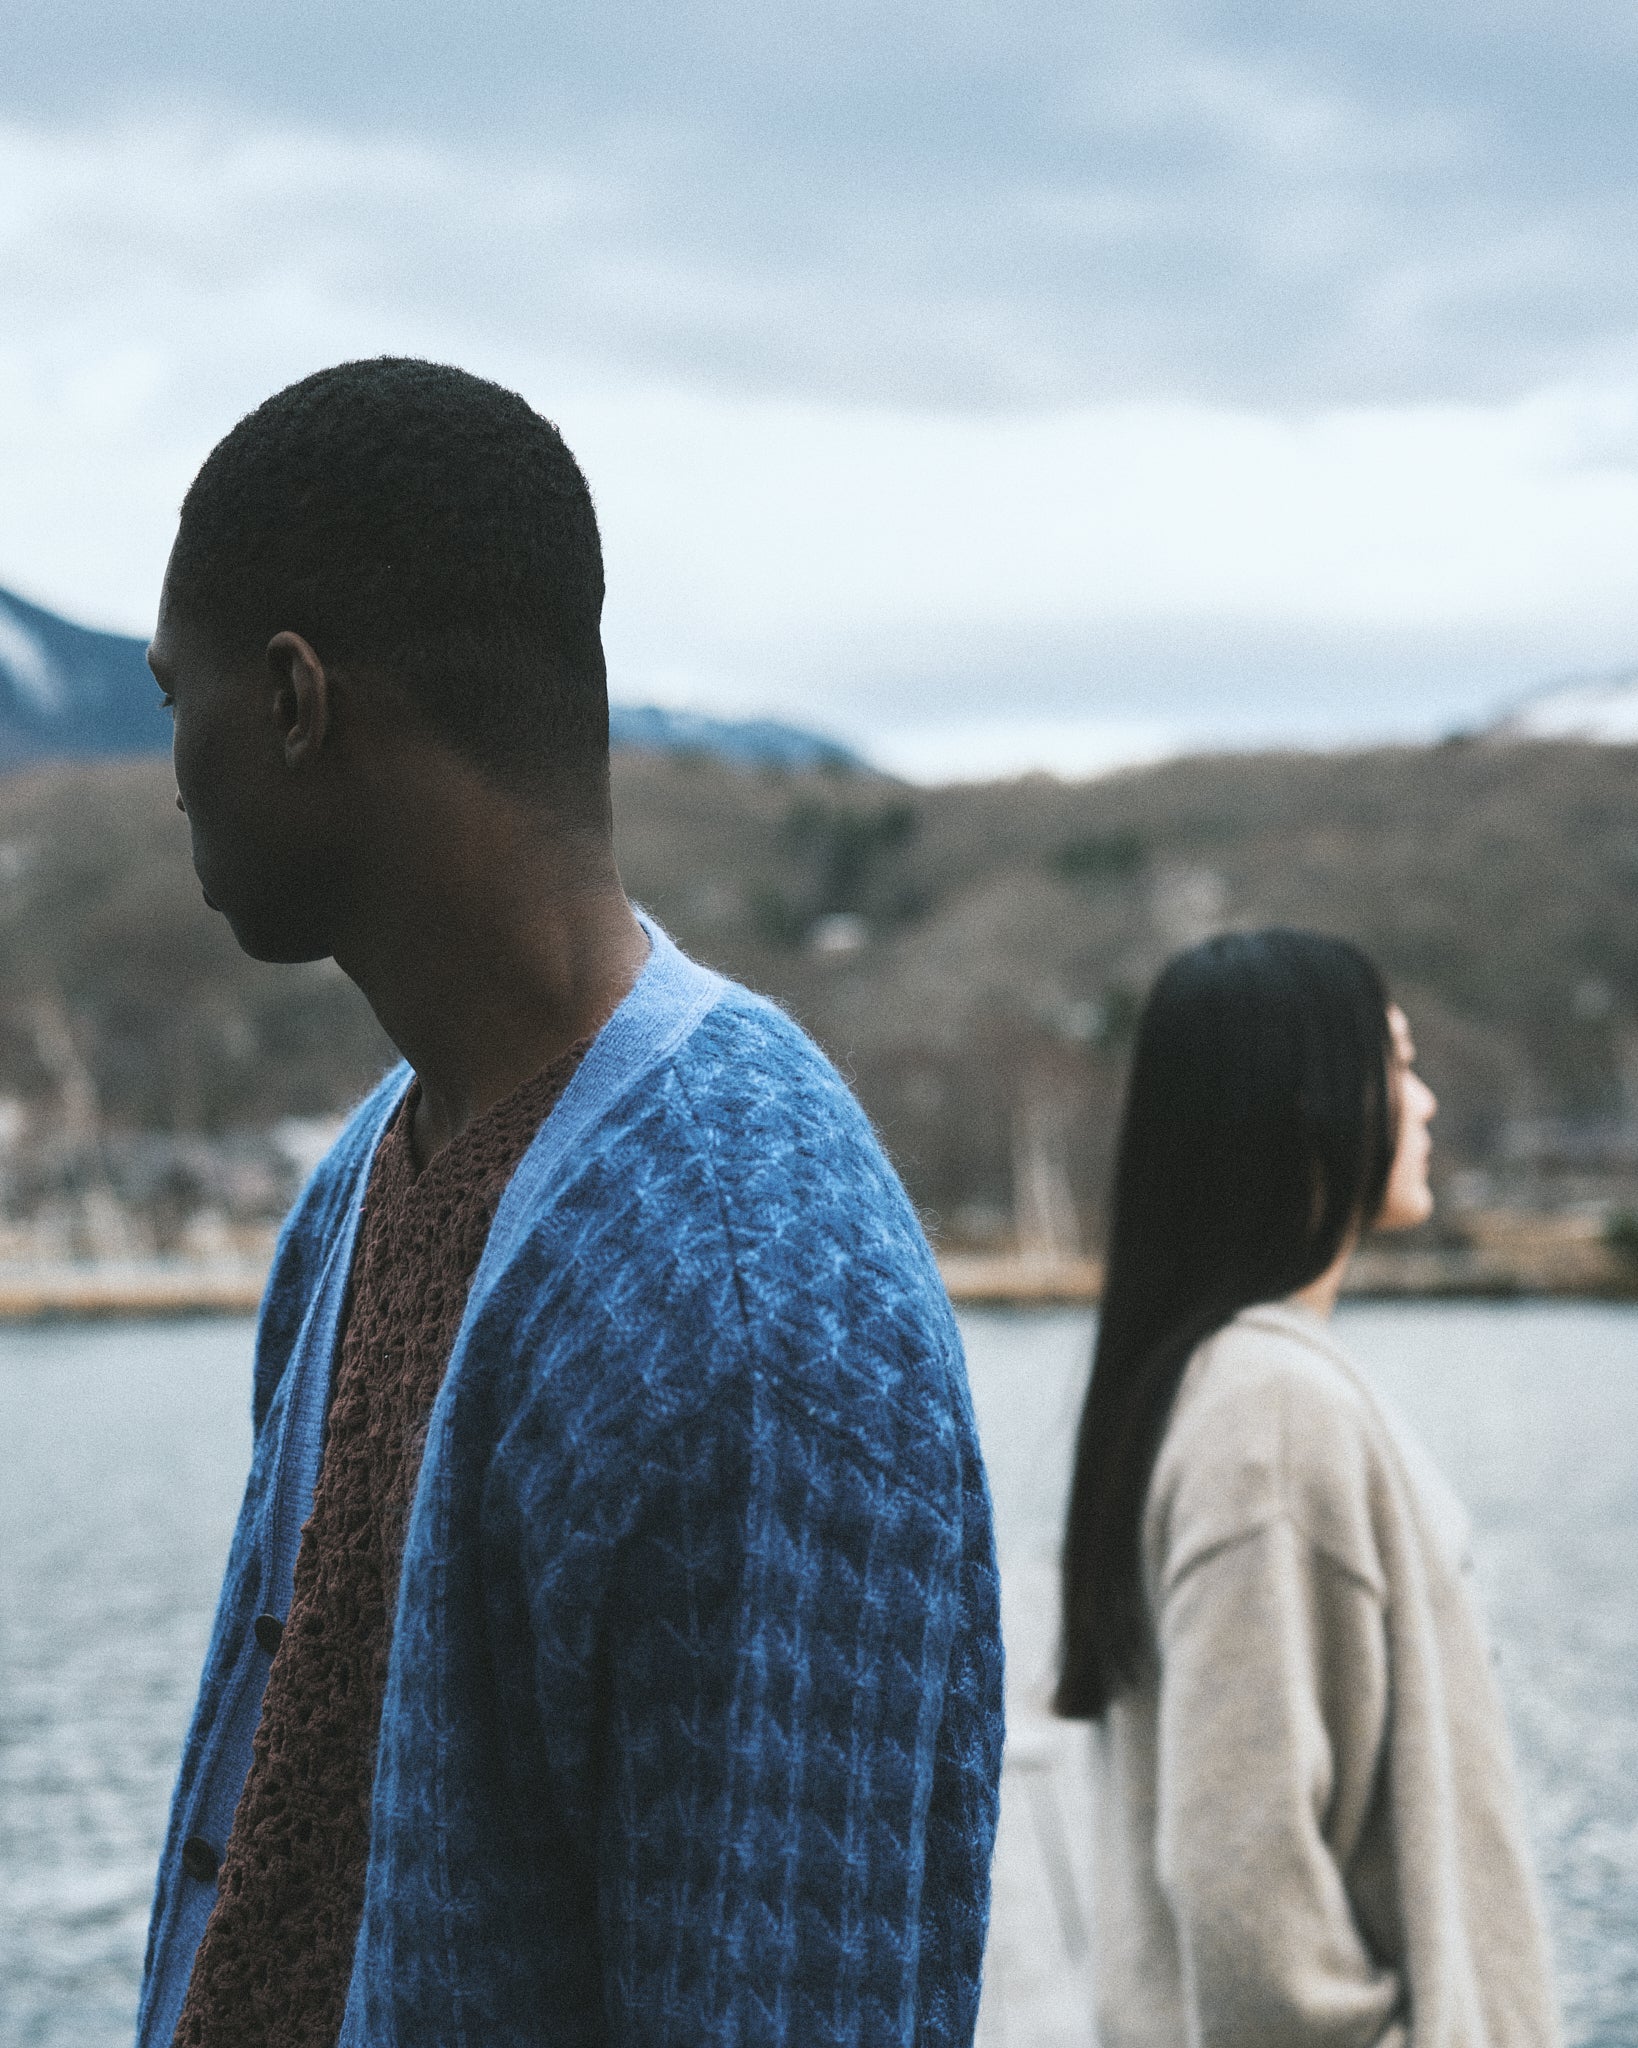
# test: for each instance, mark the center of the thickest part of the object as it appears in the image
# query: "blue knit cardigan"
(692, 1728)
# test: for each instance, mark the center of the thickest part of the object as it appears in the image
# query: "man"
(608, 1650)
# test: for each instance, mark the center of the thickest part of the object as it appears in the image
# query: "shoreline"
(69, 1290)
(87, 1290)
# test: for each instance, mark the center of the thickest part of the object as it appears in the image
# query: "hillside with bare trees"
(973, 958)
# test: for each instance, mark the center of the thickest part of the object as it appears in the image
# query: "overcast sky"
(1025, 384)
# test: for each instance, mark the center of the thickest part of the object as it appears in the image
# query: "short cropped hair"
(421, 523)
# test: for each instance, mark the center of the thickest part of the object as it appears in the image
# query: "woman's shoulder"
(1270, 1425)
(1276, 1365)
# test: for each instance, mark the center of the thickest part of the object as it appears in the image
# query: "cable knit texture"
(692, 1723)
(273, 1967)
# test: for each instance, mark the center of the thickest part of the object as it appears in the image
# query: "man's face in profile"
(256, 851)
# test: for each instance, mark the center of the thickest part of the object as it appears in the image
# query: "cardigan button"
(200, 1860)
(268, 1629)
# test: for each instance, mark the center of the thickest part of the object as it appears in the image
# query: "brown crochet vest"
(273, 1966)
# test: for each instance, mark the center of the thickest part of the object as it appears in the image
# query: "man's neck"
(487, 948)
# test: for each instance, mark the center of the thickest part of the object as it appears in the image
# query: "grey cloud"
(965, 205)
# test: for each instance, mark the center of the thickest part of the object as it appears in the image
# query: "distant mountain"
(67, 692)
(743, 742)
(1603, 708)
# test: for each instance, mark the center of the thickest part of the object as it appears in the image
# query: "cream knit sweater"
(1308, 1830)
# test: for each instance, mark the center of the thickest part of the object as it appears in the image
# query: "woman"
(1308, 1830)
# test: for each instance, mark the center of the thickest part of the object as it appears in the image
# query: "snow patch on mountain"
(1602, 708)
(26, 665)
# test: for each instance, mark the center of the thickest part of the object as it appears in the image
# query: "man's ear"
(301, 698)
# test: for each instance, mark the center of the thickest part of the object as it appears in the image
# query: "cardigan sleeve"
(1273, 1700)
(779, 1650)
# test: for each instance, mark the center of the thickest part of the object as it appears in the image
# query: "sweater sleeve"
(1273, 1694)
(779, 1642)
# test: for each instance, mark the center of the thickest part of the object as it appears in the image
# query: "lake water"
(122, 1451)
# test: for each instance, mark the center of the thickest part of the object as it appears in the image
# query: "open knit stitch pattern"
(272, 1969)
(692, 1727)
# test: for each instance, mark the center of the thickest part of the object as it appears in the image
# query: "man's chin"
(280, 951)
(278, 948)
(279, 944)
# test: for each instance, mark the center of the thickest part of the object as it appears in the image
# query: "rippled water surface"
(122, 1451)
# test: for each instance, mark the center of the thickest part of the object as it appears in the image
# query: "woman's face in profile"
(1409, 1200)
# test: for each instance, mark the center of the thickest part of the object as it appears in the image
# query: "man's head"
(427, 541)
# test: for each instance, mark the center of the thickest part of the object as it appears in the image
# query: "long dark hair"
(1257, 1135)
